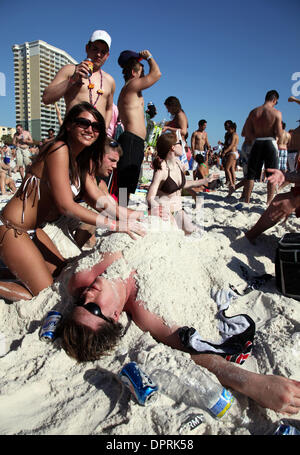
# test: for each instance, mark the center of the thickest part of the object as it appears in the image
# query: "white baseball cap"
(101, 35)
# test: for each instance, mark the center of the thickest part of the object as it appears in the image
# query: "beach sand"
(44, 392)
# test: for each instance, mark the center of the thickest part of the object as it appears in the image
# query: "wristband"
(148, 58)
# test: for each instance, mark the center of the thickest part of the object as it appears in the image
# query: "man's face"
(202, 127)
(19, 129)
(109, 162)
(98, 52)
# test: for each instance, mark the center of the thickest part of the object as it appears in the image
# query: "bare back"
(265, 121)
(283, 140)
(131, 110)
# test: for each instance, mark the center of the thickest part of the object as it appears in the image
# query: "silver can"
(49, 327)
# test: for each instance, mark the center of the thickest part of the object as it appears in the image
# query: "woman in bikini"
(64, 169)
(169, 180)
(231, 155)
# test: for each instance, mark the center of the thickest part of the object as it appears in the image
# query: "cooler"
(287, 265)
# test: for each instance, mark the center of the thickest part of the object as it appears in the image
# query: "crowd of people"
(68, 177)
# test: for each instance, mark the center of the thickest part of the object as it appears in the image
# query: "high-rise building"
(35, 65)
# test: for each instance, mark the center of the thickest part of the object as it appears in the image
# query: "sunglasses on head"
(92, 308)
(114, 144)
(179, 142)
(85, 124)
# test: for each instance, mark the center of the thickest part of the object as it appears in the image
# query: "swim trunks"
(129, 166)
(23, 157)
(264, 151)
(283, 156)
(245, 153)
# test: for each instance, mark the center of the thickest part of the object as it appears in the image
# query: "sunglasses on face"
(85, 124)
(179, 142)
(92, 308)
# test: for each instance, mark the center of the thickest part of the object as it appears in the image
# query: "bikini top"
(169, 186)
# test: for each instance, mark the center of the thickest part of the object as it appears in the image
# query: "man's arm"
(278, 125)
(68, 77)
(193, 140)
(274, 392)
(248, 130)
(293, 99)
(109, 105)
(149, 79)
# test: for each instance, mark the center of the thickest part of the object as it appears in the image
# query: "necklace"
(99, 91)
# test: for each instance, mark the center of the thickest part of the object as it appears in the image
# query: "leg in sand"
(33, 262)
(230, 170)
(248, 187)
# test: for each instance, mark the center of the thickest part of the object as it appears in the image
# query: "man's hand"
(282, 209)
(81, 71)
(277, 177)
(145, 54)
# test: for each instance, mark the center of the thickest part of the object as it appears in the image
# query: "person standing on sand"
(282, 142)
(199, 141)
(131, 112)
(74, 83)
(262, 126)
(21, 140)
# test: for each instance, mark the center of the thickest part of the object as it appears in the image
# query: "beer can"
(49, 327)
(91, 66)
(138, 382)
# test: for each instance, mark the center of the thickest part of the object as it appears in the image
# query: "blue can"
(286, 430)
(49, 327)
(138, 382)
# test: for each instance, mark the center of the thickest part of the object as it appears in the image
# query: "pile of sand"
(43, 391)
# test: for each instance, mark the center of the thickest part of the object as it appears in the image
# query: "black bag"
(287, 265)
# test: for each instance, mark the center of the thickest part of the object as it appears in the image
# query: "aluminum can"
(49, 327)
(138, 382)
(286, 430)
(91, 66)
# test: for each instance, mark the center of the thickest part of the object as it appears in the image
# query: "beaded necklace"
(99, 91)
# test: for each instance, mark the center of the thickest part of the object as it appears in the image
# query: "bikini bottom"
(17, 230)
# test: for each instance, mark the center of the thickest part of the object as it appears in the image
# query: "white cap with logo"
(101, 35)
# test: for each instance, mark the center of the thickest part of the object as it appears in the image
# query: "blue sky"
(219, 58)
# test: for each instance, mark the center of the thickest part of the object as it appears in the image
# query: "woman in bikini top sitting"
(168, 181)
(69, 162)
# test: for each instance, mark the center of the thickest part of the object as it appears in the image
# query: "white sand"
(44, 392)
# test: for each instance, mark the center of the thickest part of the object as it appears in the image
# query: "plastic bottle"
(195, 388)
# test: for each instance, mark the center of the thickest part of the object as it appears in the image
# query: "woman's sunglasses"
(92, 308)
(85, 124)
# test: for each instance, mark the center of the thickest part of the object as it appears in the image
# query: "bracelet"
(148, 58)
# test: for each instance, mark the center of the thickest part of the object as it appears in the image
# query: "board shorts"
(283, 156)
(23, 157)
(129, 165)
(264, 151)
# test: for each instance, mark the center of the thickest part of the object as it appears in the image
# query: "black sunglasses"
(92, 308)
(85, 124)
(179, 142)
(114, 144)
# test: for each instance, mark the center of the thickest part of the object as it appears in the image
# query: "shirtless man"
(21, 140)
(262, 126)
(72, 81)
(93, 328)
(282, 142)
(131, 112)
(199, 141)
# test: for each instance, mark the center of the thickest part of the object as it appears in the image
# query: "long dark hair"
(92, 153)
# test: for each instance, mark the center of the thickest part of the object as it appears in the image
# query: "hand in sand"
(213, 177)
(282, 209)
(276, 392)
(277, 177)
(131, 227)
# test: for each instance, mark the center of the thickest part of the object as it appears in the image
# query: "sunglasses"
(92, 308)
(179, 142)
(113, 144)
(85, 124)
